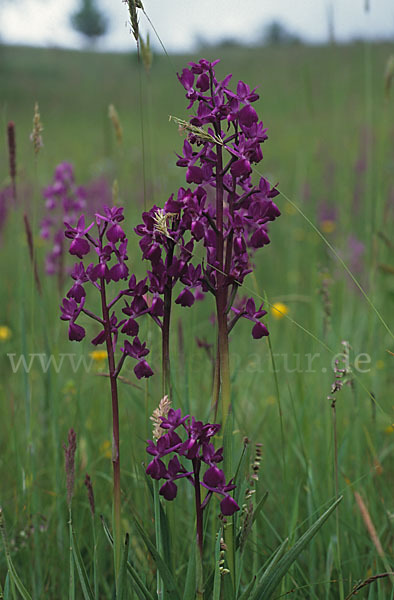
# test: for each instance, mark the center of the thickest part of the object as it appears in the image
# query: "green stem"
(71, 589)
(199, 530)
(339, 565)
(159, 545)
(95, 579)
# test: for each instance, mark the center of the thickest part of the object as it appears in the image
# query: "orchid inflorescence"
(168, 235)
(110, 247)
(191, 217)
(197, 448)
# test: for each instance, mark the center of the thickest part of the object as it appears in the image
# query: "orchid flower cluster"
(65, 201)
(110, 248)
(234, 227)
(198, 449)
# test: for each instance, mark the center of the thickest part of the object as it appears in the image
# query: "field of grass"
(331, 148)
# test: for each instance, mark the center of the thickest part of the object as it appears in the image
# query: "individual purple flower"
(156, 469)
(70, 311)
(248, 311)
(142, 369)
(111, 219)
(79, 245)
(77, 291)
(175, 471)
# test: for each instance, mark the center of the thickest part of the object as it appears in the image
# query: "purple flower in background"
(6, 200)
(65, 201)
(327, 217)
(356, 250)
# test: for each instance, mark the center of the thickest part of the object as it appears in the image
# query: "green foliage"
(318, 129)
(89, 21)
(276, 34)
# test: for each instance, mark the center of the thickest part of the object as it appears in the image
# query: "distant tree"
(89, 21)
(276, 34)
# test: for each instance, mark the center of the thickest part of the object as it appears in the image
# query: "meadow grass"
(325, 110)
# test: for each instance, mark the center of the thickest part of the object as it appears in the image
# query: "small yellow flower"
(279, 310)
(289, 209)
(98, 355)
(105, 449)
(5, 333)
(389, 429)
(328, 226)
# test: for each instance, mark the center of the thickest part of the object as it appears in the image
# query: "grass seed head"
(160, 411)
(69, 462)
(113, 115)
(35, 136)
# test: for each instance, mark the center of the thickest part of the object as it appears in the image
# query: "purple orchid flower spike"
(193, 443)
(110, 250)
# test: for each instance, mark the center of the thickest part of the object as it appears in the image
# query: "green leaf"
(120, 587)
(83, 577)
(254, 517)
(7, 588)
(248, 591)
(267, 570)
(168, 579)
(217, 576)
(138, 585)
(17, 582)
(259, 507)
(189, 592)
(268, 585)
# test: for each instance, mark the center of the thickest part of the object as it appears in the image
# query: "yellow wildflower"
(328, 226)
(106, 449)
(5, 333)
(279, 310)
(389, 429)
(98, 355)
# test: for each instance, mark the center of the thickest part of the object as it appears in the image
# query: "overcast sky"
(181, 23)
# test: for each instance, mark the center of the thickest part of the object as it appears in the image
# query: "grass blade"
(14, 578)
(246, 594)
(268, 570)
(168, 579)
(269, 584)
(139, 587)
(189, 592)
(217, 576)
(83, 577)
(121, 588)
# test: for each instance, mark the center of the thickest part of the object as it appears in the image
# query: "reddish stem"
(115, 423)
